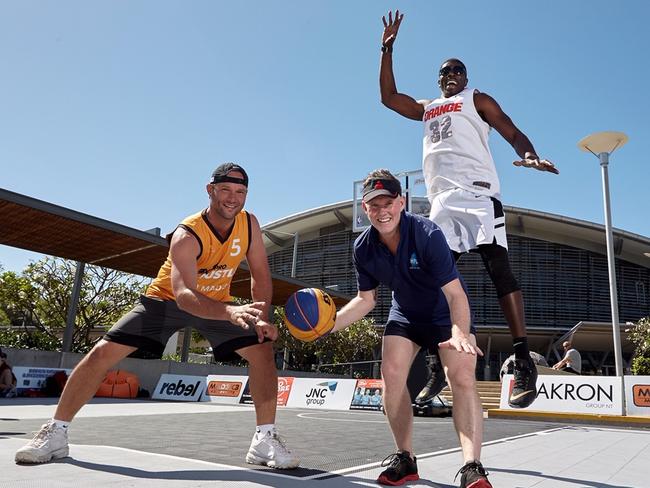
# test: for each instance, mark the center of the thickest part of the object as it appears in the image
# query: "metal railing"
(357, 369)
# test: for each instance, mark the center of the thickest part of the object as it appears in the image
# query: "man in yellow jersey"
(192, 288)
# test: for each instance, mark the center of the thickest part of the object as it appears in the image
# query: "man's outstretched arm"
(492, 113)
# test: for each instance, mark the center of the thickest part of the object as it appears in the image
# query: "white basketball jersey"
(455, 147)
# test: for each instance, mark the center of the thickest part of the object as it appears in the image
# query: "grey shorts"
(150, 324)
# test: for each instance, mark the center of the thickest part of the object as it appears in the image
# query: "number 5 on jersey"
(236, 248)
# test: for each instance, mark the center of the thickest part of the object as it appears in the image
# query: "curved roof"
(549, 227)
(35, 225)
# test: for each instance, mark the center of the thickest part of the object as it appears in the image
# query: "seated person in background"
(7, 378)
(571, 362)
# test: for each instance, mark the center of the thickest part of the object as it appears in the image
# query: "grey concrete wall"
(147, 370)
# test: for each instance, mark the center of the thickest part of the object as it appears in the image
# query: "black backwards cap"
(220, 175)
(380, 186)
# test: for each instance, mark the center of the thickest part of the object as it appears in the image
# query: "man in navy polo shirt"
(410, 255)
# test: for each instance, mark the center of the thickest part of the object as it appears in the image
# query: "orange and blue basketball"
(310, 313)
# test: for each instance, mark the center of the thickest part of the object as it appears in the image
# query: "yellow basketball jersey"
(218, 259)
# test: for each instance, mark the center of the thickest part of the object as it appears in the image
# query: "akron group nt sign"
(587, 394)
(572, 394)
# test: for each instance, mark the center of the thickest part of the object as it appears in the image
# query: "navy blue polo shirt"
(422, 265)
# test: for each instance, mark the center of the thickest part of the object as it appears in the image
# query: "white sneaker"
(270, 450)
(51, 442)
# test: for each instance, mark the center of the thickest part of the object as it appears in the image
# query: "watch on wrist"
(386, 49)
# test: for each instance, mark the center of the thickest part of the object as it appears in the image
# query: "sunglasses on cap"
(457, 70)
(379, 186)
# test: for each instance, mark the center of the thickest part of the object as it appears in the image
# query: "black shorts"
(150, 324)
(427, 336)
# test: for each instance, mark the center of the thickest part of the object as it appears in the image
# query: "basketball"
(309, 314)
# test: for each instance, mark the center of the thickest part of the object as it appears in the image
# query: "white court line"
(365, 467)
(311, 416)
(198, 461)
(118, 409)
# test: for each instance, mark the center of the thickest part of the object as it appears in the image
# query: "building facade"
(561, 265)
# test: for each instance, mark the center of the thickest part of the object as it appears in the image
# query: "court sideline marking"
(428, 455)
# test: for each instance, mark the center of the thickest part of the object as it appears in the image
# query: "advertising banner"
(637, 395)
(28, 377)
(284, 388)
(321, 393)
(224, 388)
(572, 394)
(368, 395)
(180, 388)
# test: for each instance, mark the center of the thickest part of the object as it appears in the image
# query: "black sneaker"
(401, 468)
(473, 475)
(434, 386)
(524, 391)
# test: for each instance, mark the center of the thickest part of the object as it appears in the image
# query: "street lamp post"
(601, 145)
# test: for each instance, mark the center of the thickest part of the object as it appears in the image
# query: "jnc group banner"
(321, 393)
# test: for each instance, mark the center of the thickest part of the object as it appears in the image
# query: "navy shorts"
(427, 336)
(150, 324)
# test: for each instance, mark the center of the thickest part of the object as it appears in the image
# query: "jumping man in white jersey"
(463, 186)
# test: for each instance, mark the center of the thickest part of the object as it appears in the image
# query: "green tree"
(640, 336)
(36, 302)
(358, 342)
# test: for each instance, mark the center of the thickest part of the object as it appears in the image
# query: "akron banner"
(572, 394)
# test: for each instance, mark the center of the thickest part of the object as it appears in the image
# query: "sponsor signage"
(637, 395)
(368, 395)
(572, 394)
(321, 393)
(284, 388)
(181, 388)
(28, 377)
(224, 388)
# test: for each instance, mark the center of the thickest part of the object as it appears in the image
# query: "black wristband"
(386, 49)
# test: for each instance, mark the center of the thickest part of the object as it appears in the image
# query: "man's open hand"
(390, 28)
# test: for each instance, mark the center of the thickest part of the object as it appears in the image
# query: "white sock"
(261, 430)
(61, 423)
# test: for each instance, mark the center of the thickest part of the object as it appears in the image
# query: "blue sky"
(122, 109)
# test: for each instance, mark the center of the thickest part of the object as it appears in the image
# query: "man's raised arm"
(400, 103)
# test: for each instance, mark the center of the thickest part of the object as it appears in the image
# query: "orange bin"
(119, 384)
